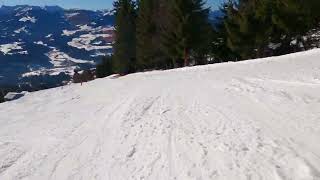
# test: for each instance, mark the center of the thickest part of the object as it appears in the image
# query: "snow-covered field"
(234, 121)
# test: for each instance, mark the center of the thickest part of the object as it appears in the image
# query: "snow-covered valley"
(40, 47)
(255, 119)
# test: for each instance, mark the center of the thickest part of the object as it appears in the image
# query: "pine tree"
(252, 25)
(105, 68)
(146, 29)
(249, 28)
(295, 18)
(219, 50)
(125, 39)
(313, 6)
(1, 97)
(152, 18)
(185, 32)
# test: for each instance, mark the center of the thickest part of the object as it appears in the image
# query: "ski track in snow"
(243, 121)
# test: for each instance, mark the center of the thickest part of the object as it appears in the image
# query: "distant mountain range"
(40, 47)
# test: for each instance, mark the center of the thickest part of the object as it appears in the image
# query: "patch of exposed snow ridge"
(28, 18)
(22, 10)
(84, 42)
(87, 41)
(70, 15)
(7, 48)
(68, 33)
(49, 36)
(61, 59)
(234, 121)
(81, 28)
(23, 29)
(51, 71)
(40, 43)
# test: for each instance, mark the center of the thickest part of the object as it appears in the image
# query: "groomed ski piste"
(251, 120)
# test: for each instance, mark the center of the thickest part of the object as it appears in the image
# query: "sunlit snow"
(255, 119)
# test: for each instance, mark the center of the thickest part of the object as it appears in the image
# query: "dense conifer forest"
(165, 34)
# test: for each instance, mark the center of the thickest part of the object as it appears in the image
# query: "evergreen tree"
(188, 20)
(219, 50)
(253, 25)
(146, 30)
(294, 18)
(201, 51)
(105, 68)
(125, 39)
(1, 97)
(249, 28)
(152, 18)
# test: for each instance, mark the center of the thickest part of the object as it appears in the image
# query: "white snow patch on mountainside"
(23, 52)
(52, 72)
(68, 33)
(23, 29)
(97, 54)
(28, 18)
(49, 36)
(233, 121)
(7, 48)
(70, 15)
(60, 59)
(40, 43)
(22, 10)
(84, 42)
(87, 41)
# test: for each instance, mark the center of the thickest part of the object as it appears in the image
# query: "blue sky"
(83, 4)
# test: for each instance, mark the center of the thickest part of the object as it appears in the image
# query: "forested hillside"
(164, 34)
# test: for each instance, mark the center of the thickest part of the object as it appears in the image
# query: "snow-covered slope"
(235, 121)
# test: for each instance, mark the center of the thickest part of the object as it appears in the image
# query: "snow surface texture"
(235, 121)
